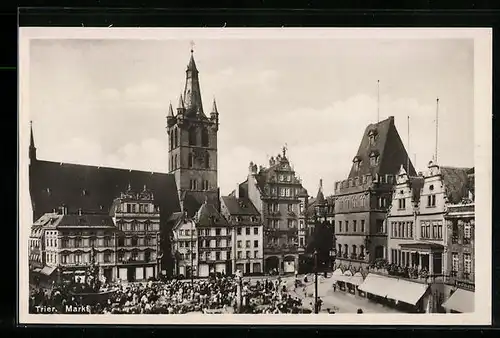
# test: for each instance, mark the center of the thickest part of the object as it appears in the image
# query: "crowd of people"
(215, 295)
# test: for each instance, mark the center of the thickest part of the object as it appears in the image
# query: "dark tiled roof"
(193, 201)
(239, 206)
(388, 146)
(94, 189)
(208, 215)
(456, 183)
(85, 221)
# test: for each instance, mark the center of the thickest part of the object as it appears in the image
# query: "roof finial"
(285, 148)
(144, 189)
(192, 46)
(129, 186)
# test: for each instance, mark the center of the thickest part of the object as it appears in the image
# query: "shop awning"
(406, 291)
(337, 275)
(48, 270)
(357, 279)
(375, 284)
(460, 301)
(37, 270)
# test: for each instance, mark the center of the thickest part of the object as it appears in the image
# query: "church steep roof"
(387, 146)
(94, 189)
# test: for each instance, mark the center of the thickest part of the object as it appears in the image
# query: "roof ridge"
(105, 167)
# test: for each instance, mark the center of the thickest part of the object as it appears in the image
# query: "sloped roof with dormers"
(388, 146)
(208, 215)
(94, 189)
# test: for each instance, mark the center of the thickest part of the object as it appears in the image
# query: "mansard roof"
(239, 206)
(94, 189)
(388, 146)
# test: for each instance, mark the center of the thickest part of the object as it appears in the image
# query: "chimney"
(237, 191)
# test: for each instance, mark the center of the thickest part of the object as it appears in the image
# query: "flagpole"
(408, 152)
(378, 101)
(437, 129)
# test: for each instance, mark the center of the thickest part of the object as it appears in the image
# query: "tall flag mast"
(378, 101)
(437, 130)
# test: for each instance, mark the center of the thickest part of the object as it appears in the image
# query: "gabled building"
(185, 245)
(277, 193)
(214, 241)
(247, 235)
(362, 200)
(137, 251)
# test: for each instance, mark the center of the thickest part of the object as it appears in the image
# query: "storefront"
(404, 295)
(461, 301)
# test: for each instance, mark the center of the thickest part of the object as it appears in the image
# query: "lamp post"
(315, 281)
(192, 259)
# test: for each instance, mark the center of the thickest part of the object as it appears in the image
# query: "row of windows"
(137, 226)
(291, 223)
(193, 185)
(247, 231)
(275, 207)
(467, 262)
(213, 243)
(141, 208)
(360, 180)
(103, 242)
(344, 250)
(247, 244)
(187, 244)
(402, 258)
(239, 254)
(192, 136)
(215, 255)
(276, 241)
(467, 230)
(431, 229)
(175, 164)
(205, 232)
(402, 229)
(106, 257)
(354, 227)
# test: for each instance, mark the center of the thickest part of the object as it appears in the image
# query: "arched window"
(354, 249)
(176, 162)
(192, 136)
(176, 137)
(340, 250)
(204, 137)
(346, 249)
(172, 139)
(207, 160)
(190, 160)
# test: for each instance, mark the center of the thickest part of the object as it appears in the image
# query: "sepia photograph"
(254, 176)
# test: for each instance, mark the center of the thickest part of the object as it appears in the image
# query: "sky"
(104, 102)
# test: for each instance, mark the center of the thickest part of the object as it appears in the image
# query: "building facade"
(247, 236)
(185, 246)
(277, 193)
(214, 241)
(362, 200)
(138, 252)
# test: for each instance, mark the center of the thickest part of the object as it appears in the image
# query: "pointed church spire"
(192, 93)
(180, 105)
(320, 197)
(32, 150)
(214, 107)
(170, 110)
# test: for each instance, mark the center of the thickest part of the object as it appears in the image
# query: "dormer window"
(372, 136)
(374, 158)
(357, 163)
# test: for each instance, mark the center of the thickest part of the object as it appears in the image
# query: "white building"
(185, 248)
(246, 235)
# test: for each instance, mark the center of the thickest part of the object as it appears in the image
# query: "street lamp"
(315, 281)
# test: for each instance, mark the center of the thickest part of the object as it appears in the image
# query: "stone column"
(431, 263)
(419, 261)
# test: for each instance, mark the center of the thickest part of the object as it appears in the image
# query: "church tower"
(193, 145)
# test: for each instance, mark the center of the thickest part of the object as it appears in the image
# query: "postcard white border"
(483, 156)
